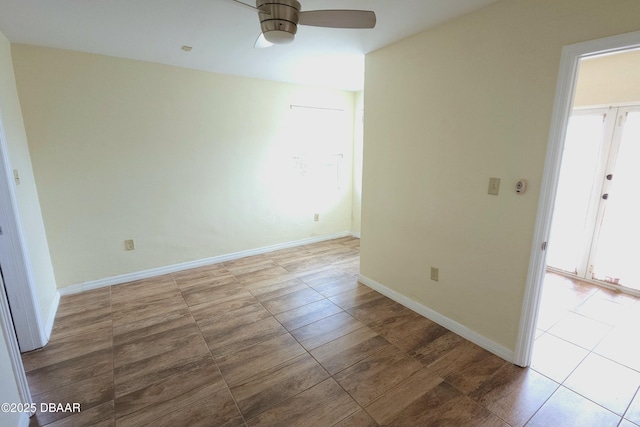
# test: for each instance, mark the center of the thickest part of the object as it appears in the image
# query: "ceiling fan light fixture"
(279, 37)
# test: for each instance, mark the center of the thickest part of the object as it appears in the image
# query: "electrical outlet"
(434, 274)
(129, 245)
(316, 217)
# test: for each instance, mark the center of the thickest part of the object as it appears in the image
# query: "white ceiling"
(222, 34)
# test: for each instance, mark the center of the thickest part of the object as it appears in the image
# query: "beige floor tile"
(568, 409)
(556, 358)
(580, 330)
(619, 345)
(604, 382)
(633, 412)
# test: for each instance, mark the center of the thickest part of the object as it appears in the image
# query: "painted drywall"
(609, 79)
(189, 164)
(29, 209)
(358, 141)
(445, 110)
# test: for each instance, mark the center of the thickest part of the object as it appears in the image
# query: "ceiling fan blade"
(262, 42)
(338, 18)
(255, 9)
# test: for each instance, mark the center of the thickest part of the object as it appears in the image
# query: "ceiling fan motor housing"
(278, 19)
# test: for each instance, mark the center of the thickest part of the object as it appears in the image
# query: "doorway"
(584, 322)
(563, 108)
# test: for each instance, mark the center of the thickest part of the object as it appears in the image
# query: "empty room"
(325, 213)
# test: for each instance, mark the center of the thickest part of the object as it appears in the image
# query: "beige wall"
(610, 79)
(26, 193)
(189, 164)
(445, 110)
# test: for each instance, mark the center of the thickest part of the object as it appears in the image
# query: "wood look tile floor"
(291, 338)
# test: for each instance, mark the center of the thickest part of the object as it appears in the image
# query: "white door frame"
(563, 104)
(15, 262)
(6, 328)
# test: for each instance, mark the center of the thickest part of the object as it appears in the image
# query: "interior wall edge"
(53, 310)
(444, 321)
(146, 274)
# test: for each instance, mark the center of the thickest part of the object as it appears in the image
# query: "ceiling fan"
(279, 19)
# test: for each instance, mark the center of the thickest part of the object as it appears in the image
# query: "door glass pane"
(577, 177)
(618, 249)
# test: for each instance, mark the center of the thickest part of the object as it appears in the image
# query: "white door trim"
(15, 262)
(14, 351)
(565, 89)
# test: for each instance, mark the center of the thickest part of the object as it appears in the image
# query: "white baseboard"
(130, 277)
(443, 321)
(48, 327)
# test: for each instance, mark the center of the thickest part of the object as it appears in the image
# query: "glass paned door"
(595, 233)
(617, 250)
(571, 229)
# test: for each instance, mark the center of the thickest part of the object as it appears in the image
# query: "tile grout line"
(224, 380)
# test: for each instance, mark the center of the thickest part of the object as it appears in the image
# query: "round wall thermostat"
(521, 186)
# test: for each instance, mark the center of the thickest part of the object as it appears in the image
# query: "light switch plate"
(494, 186)
(434, 274)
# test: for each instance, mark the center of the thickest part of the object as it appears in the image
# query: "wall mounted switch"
(494, 186)
(434, 274)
